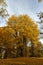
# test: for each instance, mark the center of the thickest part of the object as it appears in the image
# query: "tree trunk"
(32, 49)
(24, 50)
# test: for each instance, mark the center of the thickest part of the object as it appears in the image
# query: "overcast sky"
(30, 7)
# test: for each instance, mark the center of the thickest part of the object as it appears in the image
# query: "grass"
(22, 61)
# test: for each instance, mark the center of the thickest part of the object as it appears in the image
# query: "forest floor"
(22, 61)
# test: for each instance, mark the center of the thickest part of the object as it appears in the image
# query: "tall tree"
(25, 29)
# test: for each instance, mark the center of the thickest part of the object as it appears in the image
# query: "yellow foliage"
(25, 26)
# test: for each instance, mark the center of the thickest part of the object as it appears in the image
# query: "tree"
(39, 1)
(40, 15)
(3, 10)
(25, 29)
(38, 50)
(6, 39)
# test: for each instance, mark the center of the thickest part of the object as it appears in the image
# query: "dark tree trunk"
(32, 49)
(24, 50)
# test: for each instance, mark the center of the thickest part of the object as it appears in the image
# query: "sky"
(29, 7)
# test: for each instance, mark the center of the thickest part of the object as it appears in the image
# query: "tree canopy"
(24, 26)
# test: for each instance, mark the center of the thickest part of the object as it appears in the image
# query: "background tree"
(39, 1)
(3, 10)
(9, 40)
(40, 15)
(6, 38)
(38, 50)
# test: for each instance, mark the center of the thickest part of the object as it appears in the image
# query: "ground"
(22, 61)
